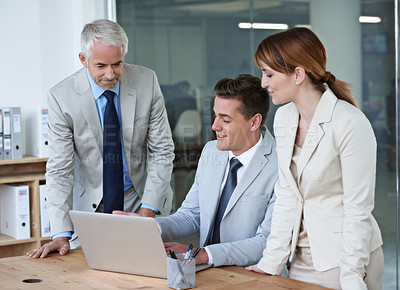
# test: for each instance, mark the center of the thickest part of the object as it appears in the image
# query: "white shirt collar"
(245, 157)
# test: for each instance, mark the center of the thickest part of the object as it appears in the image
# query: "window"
(192, 44)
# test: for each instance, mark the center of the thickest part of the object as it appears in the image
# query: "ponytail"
(339, 88)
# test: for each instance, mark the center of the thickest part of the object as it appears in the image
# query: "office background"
(192, 44)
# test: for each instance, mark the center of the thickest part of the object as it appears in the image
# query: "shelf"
(26, 159)
(20, 177)
(31, 171)
(27, 165)
(7, 240)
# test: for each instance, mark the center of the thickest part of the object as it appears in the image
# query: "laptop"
(119, 243)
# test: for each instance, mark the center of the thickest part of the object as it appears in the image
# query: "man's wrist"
(202, 257)
(144, 205)
(62, 234)
(146, 212)
(61, 238)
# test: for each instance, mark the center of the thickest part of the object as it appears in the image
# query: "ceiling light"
(303, 25)
(369, 19)
(246, 25)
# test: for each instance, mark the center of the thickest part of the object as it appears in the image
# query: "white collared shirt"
(245, 159)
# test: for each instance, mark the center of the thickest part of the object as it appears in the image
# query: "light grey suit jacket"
(74, 174)
(246, 223)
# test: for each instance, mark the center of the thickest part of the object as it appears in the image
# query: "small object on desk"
(189, 251)
(181, 272)
(195, 253)
(172, 253)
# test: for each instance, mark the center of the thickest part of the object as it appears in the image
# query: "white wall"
(41, 42)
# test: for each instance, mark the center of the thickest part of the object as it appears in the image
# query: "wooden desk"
(72, 272)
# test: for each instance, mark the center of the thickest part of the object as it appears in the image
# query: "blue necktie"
(229, 187)
(113, 184)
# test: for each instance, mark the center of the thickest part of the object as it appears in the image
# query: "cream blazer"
(335, 190)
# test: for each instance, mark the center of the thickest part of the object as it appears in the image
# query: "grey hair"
(105, 31)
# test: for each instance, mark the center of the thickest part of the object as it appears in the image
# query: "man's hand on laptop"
(201, 258)
(60, 244)
(146, 212)
(120, 212)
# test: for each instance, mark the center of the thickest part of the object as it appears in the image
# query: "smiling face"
(233, 131)
(281, 87)
(105, 64)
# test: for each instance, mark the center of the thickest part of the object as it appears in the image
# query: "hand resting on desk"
(201, 258)
(60, 244)
(255, 269)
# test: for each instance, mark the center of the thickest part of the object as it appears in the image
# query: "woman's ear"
(299, 74)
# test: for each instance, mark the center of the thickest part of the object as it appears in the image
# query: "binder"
(36, 133)
(16, 132)
(15, 214)
(6, 134)
(1, 135)
(44, 217)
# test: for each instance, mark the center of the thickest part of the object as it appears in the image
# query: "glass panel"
(192, 44)
(396, 103)
(378, 103)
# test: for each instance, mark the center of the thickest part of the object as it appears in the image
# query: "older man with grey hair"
(109, 139)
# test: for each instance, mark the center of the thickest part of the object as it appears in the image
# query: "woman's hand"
(255, 269)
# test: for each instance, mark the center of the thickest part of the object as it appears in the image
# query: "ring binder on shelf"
(6, 134)
(36, 133)
(15, 212)
(1, 135)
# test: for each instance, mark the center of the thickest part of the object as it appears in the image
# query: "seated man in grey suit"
(233, 229)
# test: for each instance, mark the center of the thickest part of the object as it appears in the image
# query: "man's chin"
(221, 146)
(108, 86)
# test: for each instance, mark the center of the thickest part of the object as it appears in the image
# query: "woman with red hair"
(322, 223)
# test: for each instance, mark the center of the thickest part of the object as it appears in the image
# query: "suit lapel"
(128, 106)
(89, 109)
(311, 142)
(285, 139)
(258, 162)
(216, 176)
(323, 113)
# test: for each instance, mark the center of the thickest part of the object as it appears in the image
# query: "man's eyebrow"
(223, 115)
(117, 63)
